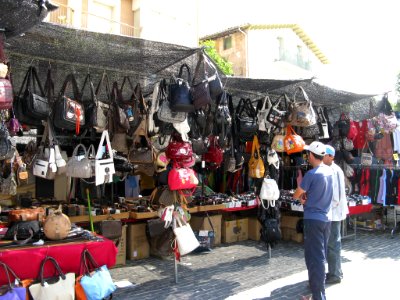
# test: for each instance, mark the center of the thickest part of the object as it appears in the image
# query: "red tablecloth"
(26, 262)
(360, 209)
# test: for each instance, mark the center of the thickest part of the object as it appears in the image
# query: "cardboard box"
(289, 221)
(254, 229)
(121, 255)
(235, 230)
(137, 246)
(201, 223)
(290, 234)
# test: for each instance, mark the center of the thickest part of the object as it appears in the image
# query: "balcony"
(67, 16)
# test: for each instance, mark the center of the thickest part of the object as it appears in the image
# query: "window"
(227, 42)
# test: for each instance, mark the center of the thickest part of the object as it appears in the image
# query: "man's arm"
(299, 195)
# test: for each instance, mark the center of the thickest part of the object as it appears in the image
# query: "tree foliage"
(396, 107)
(224, 65)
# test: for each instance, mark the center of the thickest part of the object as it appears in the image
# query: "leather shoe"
(332, 280)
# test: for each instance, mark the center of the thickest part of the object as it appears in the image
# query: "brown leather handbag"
(111, 228)
(27, 214)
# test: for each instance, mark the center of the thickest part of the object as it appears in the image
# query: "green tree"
(396, 106)
(224, 65)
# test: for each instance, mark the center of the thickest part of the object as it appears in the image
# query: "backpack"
(270, 228)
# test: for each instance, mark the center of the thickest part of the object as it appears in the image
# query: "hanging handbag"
(96, 281)
(348, 144)
(141, 153)
(137, 110)
(79, 166)
(104, 163)
(185, 237)
(263, 124)
(269, 190)
(96, 110)
(275, 116)
(14, 127)
(69, 114)
(182, 179)
(8, 186)
(119, 116)
(62, 289)
(246, 120)
(323, 125)
(256, 163)
(178, 150)
(343, 125)
(293, 142)
(302, 114)
(199, 88)
(278, 143)
(366, 157)
(13, 290)
(45, 161)
(214, 81)
(179, 96)
(164, 113)
(35, 105)
(214, 156)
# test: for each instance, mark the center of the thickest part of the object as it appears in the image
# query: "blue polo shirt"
(318, 185)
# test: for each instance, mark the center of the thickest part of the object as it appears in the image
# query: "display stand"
(353, 212)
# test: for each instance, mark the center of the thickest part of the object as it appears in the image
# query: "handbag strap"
(8, 270)
(25, 83)
(141, 105)
(75, 152)
(104, 137)
(255, 147)
(300, 88)
(103, 82)
(197, 78)
(49, 86)
(127, 80)
(88, 262)
(34, 80)
(89, 82)
(56, 265)
(209, 221)
(189, 77)
(71, 80)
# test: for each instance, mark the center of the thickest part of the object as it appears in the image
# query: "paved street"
(244, 271)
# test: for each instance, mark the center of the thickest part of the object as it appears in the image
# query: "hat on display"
(273, 158)
(317, 148)
(330, 150)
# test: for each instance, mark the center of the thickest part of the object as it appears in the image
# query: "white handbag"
(183, 128)
(263, 124)
(269, 191)
(104, 166)
(63, 289)
(78, 166)
(185, 237)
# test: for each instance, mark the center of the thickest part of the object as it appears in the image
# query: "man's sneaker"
(332, 280)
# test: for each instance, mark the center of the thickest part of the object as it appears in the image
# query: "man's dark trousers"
(316, 235)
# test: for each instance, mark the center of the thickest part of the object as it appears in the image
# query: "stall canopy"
(148, 61)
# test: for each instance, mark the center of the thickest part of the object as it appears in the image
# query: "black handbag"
(343, 125)
(23, 231)
(95, 110)
(276, 116)
(214, 81)
(69, 114)
(179, 96)
(27, 94)
(223, 119)
(246, 120)
(200, 90)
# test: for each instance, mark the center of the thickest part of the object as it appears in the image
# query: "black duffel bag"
(22, 232)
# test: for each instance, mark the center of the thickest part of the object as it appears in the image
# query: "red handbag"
(353, 131)
(214, 155)
(179, 151)
(182, 179)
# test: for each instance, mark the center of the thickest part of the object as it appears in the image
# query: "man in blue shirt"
(315, 193)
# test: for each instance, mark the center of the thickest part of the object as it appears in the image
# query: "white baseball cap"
(317, 148)
(273, 158)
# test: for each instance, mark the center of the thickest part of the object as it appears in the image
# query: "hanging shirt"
(362, 128)
(396, 139)
(382, 188)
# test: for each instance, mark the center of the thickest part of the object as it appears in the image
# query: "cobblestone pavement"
(243, 270)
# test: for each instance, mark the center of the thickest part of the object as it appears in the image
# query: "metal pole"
(269, 251)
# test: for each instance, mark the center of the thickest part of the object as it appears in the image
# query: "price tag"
(395, 156)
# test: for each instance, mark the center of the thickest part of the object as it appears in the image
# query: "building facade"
(154, 20)
(281, 51)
